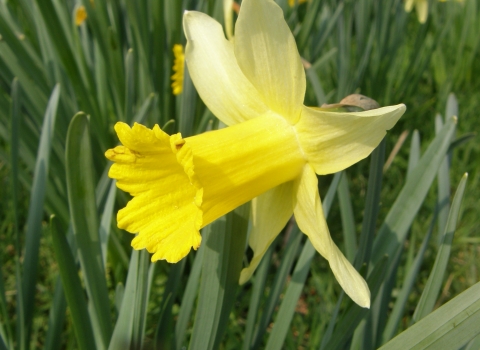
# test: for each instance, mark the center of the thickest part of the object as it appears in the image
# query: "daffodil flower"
(270, 153)
(80, 15)
(421, 6)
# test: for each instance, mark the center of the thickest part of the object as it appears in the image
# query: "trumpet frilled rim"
(158, 171)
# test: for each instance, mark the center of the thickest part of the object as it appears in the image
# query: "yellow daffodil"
(178, 68)
(271, 151)
(80, 15)
(421, 7)
(291, 3)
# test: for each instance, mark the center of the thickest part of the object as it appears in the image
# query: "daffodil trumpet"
(270, 153)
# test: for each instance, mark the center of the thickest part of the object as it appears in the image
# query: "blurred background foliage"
(113, 61)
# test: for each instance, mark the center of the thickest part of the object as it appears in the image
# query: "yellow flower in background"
(421, 7)
(178, 68)
(270, 153)
(291, 3)
(80, 15)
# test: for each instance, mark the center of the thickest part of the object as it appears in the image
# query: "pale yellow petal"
(157, 170)
(215, 73)
(270, 213)
(311, 221)
(268, 56)
(409, 5)
(421, 6)
(334, 141)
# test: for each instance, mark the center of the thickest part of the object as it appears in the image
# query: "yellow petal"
(267, 54)
(334, 141)
(421, 6)
(167, 222)
(239, 163)
(215, 72)
(309, 215)
(270, 213)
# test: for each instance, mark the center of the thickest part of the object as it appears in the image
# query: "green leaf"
(308, 23)
(407, 285)
(354, 313)
(474, 343)
(56, 319)
(142, 112)
(348, 220)
(164, 337)
(257, 292)
(36, 211)
(106, 222)
(188, 103)
(451, 109)
(434, 283)
(372, 206)
(415, 153)
(395, 227)
(83, 212)
(123, 331)
(449, 327)
(189, 298)
(443, 187)
(222, 263)
(143, 284)
(299, 276)
(461, 140)
(73, 289)
(278, 285)
(129, 86)
(317, 85)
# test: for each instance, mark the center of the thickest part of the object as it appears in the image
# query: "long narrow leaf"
(407, 285)
(443, 188)
(400, 216)
(256, 296)
(372, 206)
(189, 297)
(56, 320)
(348, 221)
(73, 289)
(36, 210)
(105, 224)
(222, 263)
(449, 327)
(83, 212)
(434, 283)
(123, 332)
(278, 284)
